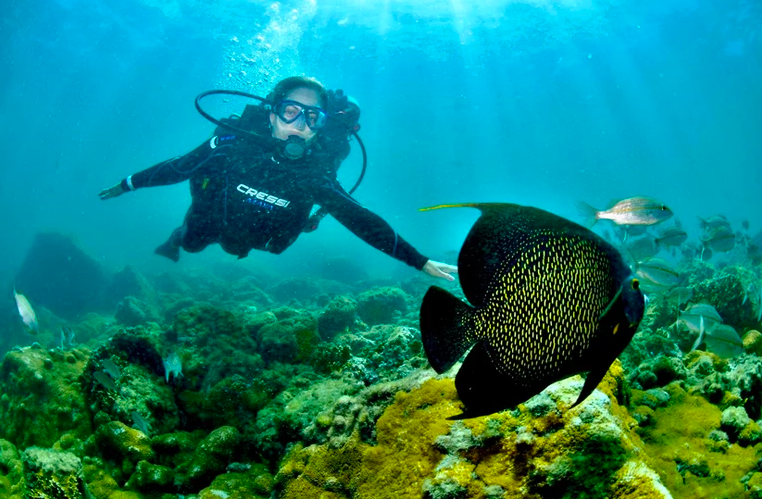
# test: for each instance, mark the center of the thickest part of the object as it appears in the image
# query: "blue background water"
(534, 102)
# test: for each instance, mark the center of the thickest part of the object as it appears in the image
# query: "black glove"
(337, 102)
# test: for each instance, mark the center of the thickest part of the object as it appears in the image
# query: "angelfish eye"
(635, 284)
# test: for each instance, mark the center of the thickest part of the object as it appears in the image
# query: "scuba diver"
(255, 182)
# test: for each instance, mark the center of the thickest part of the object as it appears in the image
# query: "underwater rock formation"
(40, 399)
(539, 450)
(339, 315)
(133, 312)
(61, 276)
(128, 282)
(381, 305)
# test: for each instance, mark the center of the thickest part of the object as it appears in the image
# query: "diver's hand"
(112, 192)
(439, 269)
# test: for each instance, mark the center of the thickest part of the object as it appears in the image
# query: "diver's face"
(282, 130)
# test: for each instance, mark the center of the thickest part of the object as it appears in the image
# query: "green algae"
(12, 482)
(677, 441)
(40, 397)
(590, 452)
(254, 483)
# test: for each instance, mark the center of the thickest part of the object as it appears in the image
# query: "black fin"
(483, 389)
(446, 328)
(592, 381)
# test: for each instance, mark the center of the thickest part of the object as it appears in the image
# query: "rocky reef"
(206, 386)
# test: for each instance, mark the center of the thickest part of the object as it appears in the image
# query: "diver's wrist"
(127, 184)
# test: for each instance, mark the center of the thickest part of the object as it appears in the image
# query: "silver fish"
(627, 231)
(656, 274)
(26, 312)
(673, 236)
(67, 337)
(713, 223)
(679, 295)
(630, 211)
(173, 366)
(140, 423)
(750, 287)
(699, 313)
(105, 380)
(724, 341)
(720, 239)
(111, 368)
(642, 247)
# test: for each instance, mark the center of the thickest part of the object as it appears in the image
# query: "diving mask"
(290, 111)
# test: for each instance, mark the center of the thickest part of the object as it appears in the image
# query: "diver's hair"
(286, 85)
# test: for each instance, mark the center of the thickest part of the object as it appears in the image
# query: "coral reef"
(219, 384)
(41, 399)
(381, 305)
(541, 449)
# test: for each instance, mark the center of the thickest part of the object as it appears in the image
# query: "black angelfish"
(549, 299)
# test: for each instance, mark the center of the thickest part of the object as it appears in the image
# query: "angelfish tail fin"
(447, 328)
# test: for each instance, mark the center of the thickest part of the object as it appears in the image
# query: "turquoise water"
(304, 374)
(542, 103)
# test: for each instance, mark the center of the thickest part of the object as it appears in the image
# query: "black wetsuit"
(245, 197)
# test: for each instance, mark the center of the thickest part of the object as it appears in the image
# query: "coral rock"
(752, 342)
(41, 399)
(210, 459)
(381, 305)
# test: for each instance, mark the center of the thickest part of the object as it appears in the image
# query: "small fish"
(713, 223)
(657, 273)
(140, 423)
(745, 224)
(67, 337)
(173, 366)
(111, 368)
(724, 341)
(700, 337)
(26, 312)
(673, 236)
(631, 211)
(706, 254)
(642, 247)
(698, 313)
(626, 231)
(720, 239)
(548, 299)
(749, 289)
(679, 295)
(105, 380)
